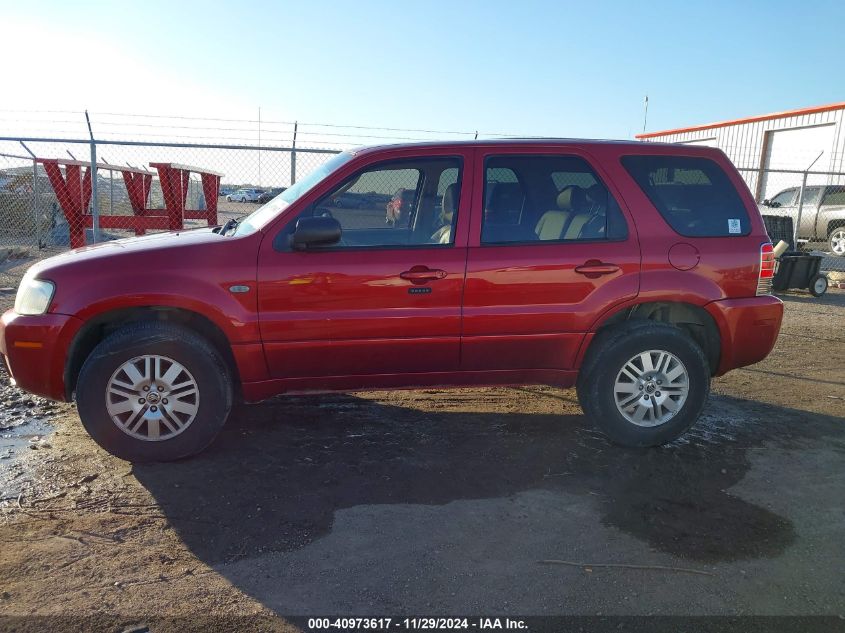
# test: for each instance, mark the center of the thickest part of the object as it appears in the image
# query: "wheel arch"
(98, 327)
(692, 319)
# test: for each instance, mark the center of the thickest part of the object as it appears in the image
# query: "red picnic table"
(73, 191)
(174, 180)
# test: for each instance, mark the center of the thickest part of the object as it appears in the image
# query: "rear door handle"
(595, 268)
(421, 274)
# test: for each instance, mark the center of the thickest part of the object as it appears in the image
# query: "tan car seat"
(443, 235)
(552, 223)
(590, 202)
(595, 203)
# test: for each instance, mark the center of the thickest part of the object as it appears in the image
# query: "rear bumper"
(749, 329)
(35, 350)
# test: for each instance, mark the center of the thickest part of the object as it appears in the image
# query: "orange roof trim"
(753, 119)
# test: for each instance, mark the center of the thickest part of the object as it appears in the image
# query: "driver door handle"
(420, 274)
(595, 268)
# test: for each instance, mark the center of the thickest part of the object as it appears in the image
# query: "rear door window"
(834, 196)
(694, 195)
(547, 199)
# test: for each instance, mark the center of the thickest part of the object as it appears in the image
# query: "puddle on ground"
(24, 427)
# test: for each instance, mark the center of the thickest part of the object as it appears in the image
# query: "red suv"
(634, 272)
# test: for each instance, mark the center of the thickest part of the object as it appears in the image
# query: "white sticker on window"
(734, 226)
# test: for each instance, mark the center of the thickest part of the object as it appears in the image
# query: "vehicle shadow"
(831, 298)
(280, 470)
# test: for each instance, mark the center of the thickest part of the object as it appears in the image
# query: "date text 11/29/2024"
(420, 623)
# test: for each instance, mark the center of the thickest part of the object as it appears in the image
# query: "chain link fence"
(50, 199)
(814, 204)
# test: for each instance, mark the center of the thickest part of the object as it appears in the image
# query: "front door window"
(408, 203)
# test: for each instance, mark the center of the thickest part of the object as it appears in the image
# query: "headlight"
(34, 296)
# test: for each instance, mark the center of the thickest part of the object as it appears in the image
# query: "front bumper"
(749, 329)
(35, 350)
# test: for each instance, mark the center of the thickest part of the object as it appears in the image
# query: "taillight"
(767, 269)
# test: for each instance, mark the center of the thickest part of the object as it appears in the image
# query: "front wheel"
(836, 241)
(644, 383)
(154, 392)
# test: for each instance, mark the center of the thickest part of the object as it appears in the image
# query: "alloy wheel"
(651, 388)
(152, 398)
(837, 242)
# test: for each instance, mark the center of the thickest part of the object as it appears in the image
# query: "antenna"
(645, 112)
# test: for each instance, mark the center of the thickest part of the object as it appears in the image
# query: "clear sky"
(524, 67)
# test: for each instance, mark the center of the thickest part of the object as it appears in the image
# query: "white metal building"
(762, 145)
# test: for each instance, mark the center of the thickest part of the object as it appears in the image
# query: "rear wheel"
(154, 392)
(644, 383)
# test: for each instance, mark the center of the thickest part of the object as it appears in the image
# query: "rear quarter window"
(694, 195)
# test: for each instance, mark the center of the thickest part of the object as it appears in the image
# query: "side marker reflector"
(29, 344)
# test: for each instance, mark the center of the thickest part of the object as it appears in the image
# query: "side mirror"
(321, 231)
(766, 202)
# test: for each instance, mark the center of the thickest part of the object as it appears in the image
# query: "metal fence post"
(95, 202)
(800, 209)
(801, 199)
(293, 154)
(35, 203)
(34, 195)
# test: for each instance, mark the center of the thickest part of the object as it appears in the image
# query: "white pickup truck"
(822, 213)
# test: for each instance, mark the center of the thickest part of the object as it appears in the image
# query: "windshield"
(259, 218)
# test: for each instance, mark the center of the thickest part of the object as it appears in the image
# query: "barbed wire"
(261, 123)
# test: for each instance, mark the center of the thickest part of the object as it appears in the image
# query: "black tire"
(609, 352)
(181, 344)
(834, 240)
(818, 285)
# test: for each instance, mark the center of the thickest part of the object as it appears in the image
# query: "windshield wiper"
(230, 224)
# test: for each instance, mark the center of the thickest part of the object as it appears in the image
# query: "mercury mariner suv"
(633, 272)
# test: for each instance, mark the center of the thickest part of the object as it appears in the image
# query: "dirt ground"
(439, 502)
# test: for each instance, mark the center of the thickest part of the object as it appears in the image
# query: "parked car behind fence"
(265, 197)
(822, 213)
(244, 195)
